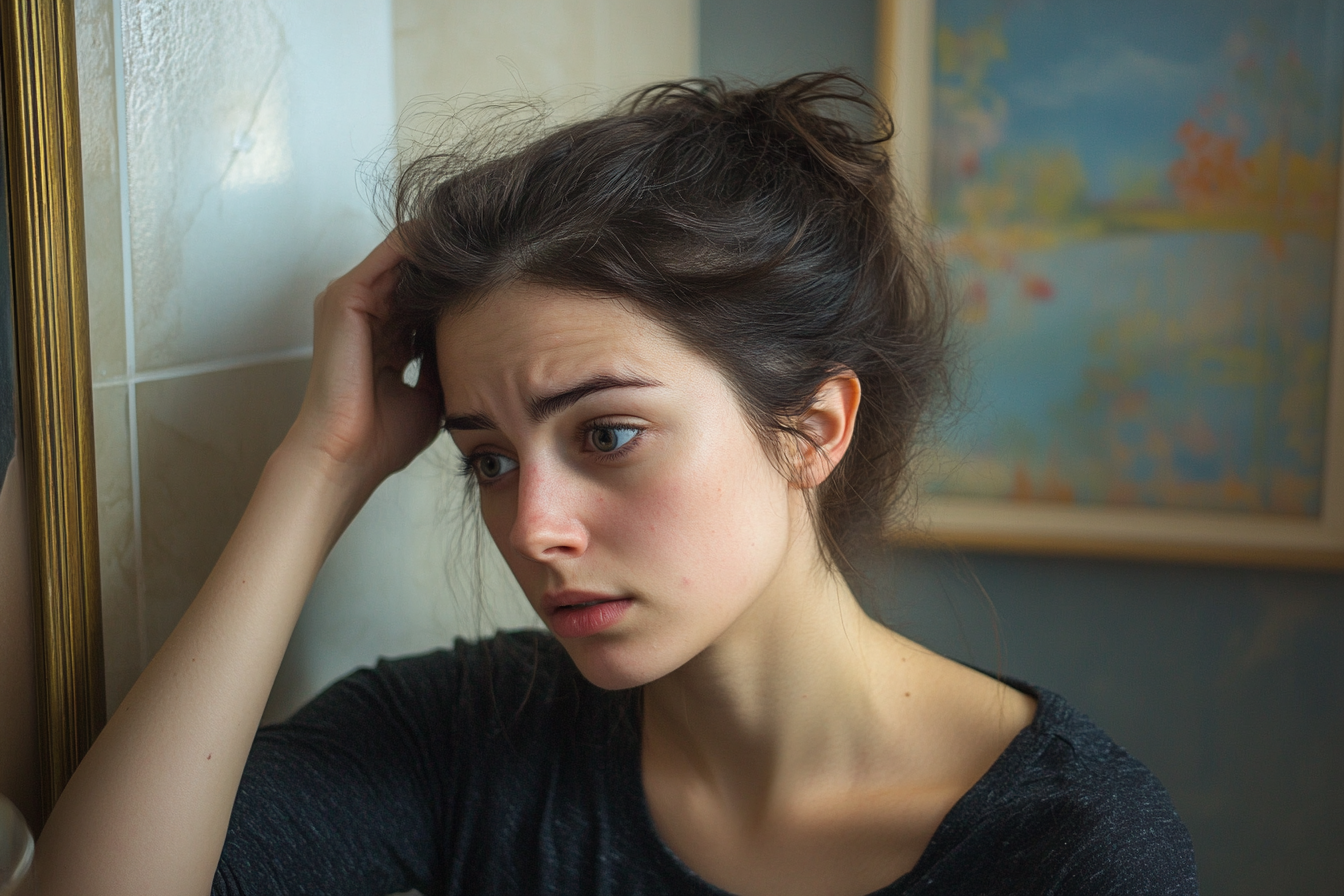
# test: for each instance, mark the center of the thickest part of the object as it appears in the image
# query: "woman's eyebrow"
(544, 406)
(468, 421)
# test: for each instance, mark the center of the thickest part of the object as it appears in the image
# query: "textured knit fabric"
(496, 768)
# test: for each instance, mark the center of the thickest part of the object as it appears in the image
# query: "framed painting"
(1140, 209)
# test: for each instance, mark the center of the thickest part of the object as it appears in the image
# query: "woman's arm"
(147, 811)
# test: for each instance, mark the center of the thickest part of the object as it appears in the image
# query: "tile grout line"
(128, 314)
(298, 353)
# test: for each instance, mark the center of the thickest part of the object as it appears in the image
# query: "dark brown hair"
(761, 225)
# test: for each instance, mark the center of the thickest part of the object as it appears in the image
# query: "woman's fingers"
(392, 347)
(367, 287)
(358, 409)
(409, 420)
(383, 259)
(366, 290)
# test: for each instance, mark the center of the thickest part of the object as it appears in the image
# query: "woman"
(683, 349)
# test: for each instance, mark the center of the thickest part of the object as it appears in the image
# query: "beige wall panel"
(116, 541)
(203, 443)
(557, 49)
(247, 121)
(102, 187)
(650, 41)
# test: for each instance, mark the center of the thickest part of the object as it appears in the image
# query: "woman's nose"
(547, 525)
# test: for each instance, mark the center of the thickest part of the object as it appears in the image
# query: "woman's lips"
(577, 614)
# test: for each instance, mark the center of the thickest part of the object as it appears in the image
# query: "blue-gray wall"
(763, 40)
(1228, 683)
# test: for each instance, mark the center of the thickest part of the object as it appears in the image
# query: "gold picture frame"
(904, 71)
(54, 385)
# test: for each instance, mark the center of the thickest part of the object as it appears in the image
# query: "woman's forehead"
(528, 339)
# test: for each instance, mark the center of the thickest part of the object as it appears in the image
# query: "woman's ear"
(828, 426)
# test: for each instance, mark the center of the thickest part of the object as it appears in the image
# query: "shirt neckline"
(1022, 752)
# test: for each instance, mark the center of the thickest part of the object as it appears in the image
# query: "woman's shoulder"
(506, 668)
(1064, 756)
(499, 685)
(1063, 809)
(374, 759)
(500, 658)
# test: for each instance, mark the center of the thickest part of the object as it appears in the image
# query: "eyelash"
(467, 467)
(468, 463)
(586, 434)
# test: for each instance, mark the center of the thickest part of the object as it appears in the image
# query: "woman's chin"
(614, 665)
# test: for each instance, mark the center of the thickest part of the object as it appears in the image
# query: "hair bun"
(835, 115)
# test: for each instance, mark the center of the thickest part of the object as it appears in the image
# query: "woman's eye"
(493, 466)
(611, 438)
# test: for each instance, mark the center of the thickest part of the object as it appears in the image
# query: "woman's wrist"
(330, 492)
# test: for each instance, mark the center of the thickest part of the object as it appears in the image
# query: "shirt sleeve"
(347, 797)
(1064, 812)
(1128, 842)
(1098, 838)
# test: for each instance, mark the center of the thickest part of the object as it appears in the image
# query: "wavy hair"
(761, 225)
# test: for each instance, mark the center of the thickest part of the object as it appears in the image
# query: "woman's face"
(618, 477)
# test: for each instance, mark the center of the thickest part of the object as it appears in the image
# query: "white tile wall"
(222, 148)
(245, 124)
(223, 142)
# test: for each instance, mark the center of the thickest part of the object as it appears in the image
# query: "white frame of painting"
(905, 46)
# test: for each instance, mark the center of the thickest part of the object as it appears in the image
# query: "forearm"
(148, 809)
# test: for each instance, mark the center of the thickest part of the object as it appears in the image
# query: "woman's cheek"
(692, 526)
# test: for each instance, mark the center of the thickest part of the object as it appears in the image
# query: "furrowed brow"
(468, 421)
(544, 406)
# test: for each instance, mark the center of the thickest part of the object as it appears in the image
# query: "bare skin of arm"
(147, 811)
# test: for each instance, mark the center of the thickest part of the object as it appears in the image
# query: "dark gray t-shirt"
(497, 768)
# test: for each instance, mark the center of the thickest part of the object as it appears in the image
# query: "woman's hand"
(358, 415)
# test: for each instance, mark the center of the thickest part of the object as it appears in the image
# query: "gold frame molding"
(55, 398)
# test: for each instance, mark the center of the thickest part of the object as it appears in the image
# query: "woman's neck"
(794, 696)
